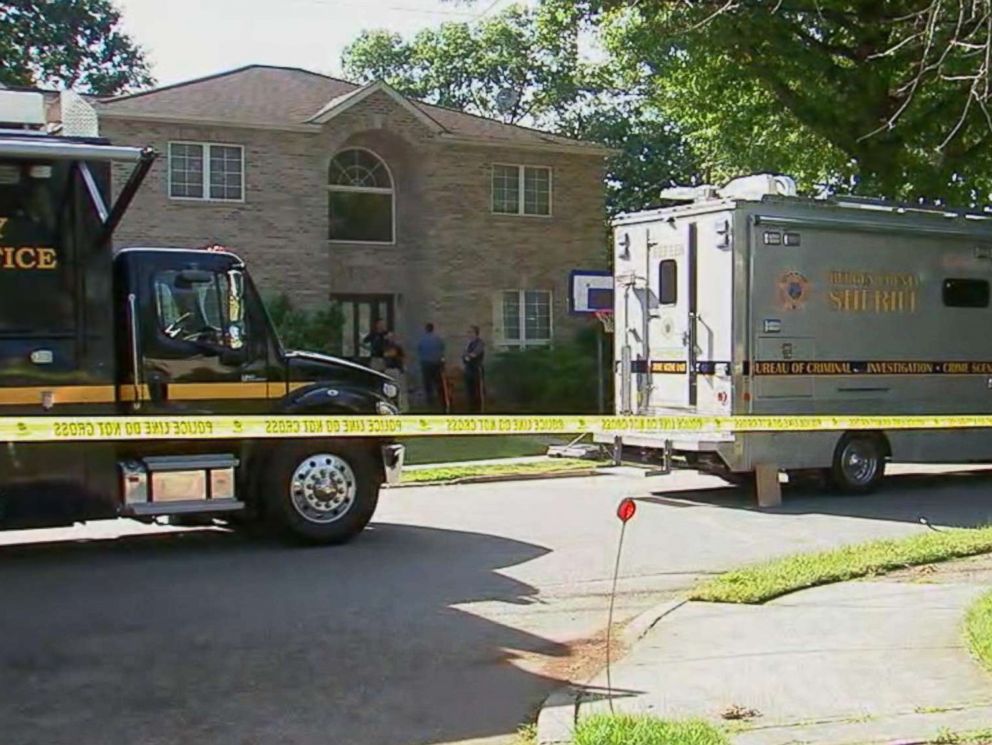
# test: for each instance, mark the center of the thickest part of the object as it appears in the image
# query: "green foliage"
(627, 729)
(769, 580)
(496, 471)
(978, 626)
(830, 90)
(536, 53)
(560, 378)
(306, 330)
(71, 44)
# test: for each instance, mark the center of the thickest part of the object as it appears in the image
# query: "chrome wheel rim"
(859, 462)
(323, 488)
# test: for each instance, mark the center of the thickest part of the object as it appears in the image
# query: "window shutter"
(497, 303)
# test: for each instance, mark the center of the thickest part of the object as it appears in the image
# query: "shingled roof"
(267, 96)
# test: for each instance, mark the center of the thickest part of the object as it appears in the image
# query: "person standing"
(474, 362)
(430, 352)
(394, 360)
(375, 342)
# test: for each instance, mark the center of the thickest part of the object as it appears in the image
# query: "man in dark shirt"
(474, 359)
(375, 342)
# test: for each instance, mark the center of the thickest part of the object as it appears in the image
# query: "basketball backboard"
(589, 291)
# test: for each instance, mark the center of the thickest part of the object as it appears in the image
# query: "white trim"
(523, 342)
(521, 194)
(344, 102)
(206, 172)
(580, 148)
(196, 121)
(365, 190)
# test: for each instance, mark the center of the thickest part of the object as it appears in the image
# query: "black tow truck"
(85, 330)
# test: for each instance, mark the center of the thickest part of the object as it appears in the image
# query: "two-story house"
(393, 208)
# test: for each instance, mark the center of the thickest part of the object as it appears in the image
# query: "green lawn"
(978, 627)
(454, 473)
(625, 729)
(765, 581)
(420, 450)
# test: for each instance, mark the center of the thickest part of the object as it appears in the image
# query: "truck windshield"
(45, 214)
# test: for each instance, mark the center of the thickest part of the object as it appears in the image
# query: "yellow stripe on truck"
(71, 429)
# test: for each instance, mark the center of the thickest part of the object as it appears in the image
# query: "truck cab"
(86, 330)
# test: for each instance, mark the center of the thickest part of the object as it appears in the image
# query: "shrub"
(317, 330)
(556, 379)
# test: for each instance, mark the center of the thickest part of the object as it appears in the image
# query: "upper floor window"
(200, 170)
(521, 190)
(360, 198)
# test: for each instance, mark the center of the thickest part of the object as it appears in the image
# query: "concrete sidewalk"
(855, 662)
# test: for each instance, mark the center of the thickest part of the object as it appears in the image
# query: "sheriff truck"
(752, 300)
(155, 331)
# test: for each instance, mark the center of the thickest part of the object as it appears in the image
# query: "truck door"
(199, 349)
(672, 324)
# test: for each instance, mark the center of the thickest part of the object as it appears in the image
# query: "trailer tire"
(321, 492)
(859, 463)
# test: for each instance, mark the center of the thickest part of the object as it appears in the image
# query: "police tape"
(122, 428)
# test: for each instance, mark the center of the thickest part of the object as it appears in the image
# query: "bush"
(306, 330)
(556, 379)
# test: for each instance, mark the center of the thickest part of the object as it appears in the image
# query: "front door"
(358, 315)
(200, 351)
(672, 321)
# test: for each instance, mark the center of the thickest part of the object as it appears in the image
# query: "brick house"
(356, 194)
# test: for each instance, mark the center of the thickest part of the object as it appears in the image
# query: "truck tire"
(859, 463)
(321, 492)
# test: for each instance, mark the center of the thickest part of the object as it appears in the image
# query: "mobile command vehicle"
(150, 331)
(749, 300)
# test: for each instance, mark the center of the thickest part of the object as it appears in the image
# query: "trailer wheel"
(321, 492)
(859, 463)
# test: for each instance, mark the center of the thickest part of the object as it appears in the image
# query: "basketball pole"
(600, 393)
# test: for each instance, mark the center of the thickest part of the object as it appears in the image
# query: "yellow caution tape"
(84, 428)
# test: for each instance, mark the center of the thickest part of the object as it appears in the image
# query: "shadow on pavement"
(211, 637)
(956, 498)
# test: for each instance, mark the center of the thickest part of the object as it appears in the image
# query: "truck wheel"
(859, 463)
(321, 493)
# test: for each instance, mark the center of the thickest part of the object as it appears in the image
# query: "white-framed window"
(521, 190)
(524, 318)
(207, 171)
(361, 199)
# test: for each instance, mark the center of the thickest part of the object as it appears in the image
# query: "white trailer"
(751, 300)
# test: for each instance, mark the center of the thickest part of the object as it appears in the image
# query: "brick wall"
(451, 254)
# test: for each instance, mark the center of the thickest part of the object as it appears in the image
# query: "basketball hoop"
(605, 317)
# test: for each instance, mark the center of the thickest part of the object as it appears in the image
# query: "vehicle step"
(184, 507)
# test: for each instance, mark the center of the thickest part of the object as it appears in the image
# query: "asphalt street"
(448, 621)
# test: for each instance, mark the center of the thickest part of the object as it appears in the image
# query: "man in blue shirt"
(430, 351)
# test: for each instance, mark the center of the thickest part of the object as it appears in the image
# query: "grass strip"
(456, 473)
(978, 629)
(768, 580)
(627, 729)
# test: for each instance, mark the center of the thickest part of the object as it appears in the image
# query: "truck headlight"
(386, 409)
(390, 390)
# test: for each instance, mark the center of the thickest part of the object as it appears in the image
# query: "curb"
(558, 714)
(538, 476)
(642, 624)
(556, 718)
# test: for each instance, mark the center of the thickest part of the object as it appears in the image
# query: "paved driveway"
(448, 621)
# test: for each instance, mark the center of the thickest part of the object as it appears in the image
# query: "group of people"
(387, 355)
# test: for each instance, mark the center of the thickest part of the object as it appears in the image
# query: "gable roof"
(292, 98)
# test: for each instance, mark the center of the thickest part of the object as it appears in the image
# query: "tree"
(885, 97)
(69, 43)
(536, 55)
(849, 93)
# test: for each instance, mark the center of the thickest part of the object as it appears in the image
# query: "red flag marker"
(627, 509)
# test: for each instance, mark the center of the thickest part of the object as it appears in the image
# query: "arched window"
(360, 198)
